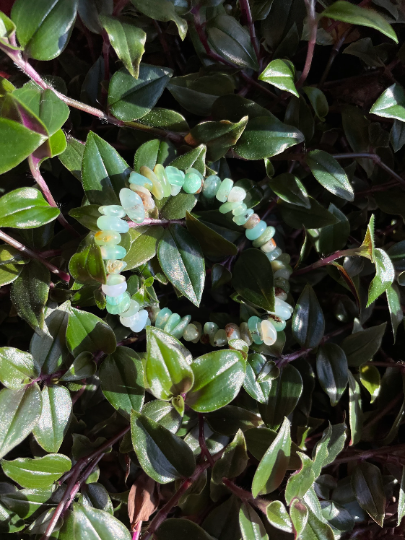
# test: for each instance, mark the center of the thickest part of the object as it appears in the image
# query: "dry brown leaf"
(142, 501)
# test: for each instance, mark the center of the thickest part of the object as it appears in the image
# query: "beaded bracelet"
(135, 202)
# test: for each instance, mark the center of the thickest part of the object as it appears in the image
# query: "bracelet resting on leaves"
(135, 203)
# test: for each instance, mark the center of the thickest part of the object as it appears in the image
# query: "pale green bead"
(210, 329)
(191, 333)
(273, 254)
(113, 252)
(277, 265)
(267, 235)
(199, 329)
(282, 283)
(178, 331)
(232, 331)
(211, 186)
(253, 234)
(224, 190)
(228, 207)
(243, 218)
(175, 190)
(237, 194)
(133, 205)
(285, 258)
(172, 322)
(241, 209)
(160, 172)
(284, 273)
(140, 180)
(220, 338)
(192, 181)
(175, 176)
(117, 300)
(157, 189)
(254, 325)
(162, 317)
(104, 238)
(112, 210)
(115, 279)
(111, 223)
(133, 308)
(117, 309)
(279, 324)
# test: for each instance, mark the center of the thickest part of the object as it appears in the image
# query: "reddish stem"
(246, 496)
(201, 439)
(326, 260)
(377, 160)
(313, 27)
(247, 16)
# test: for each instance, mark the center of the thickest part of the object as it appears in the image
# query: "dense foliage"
(264, 399)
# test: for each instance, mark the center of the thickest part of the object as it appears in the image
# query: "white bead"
(140, 319)
(237, 194)
(269, 246)
(283, 273)
(269, 333)
(282, 309)
(175, 190)
(282, 296)
(114, 290)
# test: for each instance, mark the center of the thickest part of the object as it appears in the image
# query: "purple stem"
(377, 161)
(313, 27)
(326, 260)
(201, 439)
(137, 531)
(247, 15)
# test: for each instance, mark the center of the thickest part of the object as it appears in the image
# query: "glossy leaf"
(72, 157)
(300, 482)
(272, 467)
(143, 246)
(369, 490)
(330, 174)
(84, 521)
(82, 367)
(391, 103)
(394, 305)
(87, 265)
(182, 261)
(308, 322)
(384, 277)
(130, 98)
(332, 371)
(318, 100)
(252, 278)
(37, 473)
(290, 189)
(233, 461)
(334, 237)
(181, 529)
(195, 158)
(259, 389)
(86, 332)
(163, 413)
(162, 10)
(371, 380)
(223, 522)
(280, 73)
(362, 346)
(355, 410)
(251, 525)
(299, 516)
(212, 243)
(25, 208)
(55, 417)
(121, 377)
(278, 516)
(320, 453)
(218, 377)
(316, 529)
(162, 455)
(313, 217)
(17, 368)
(21, 410)
(401, 498)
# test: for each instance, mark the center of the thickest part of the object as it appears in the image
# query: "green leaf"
(266, 136)
(181, 529)
(318, 100)
(162, 10)
(104, 172)
(163, 413)
(182, 261)
(195, 159)
(162, 455)
(334, 237)
(72, 157)
(17, 368)
(87, 332)
(37, 473)
(350, 13)
(25, 208)
(280, 73)
(218, 377)
(401, 498)
(233, 461)
(230, 419)
(336, 443)
(167, 372)
(87, 216)
(223, 522)
(273, 466)
(362, 346)
(300, 482)
(316, 529)
(320, 453)
(82, 368)
(87, 266)
(143, 245)
(338, 517)
(283, 397)
(87, 522)
(355, 410)
(391, 103)
(44, 30)
(397, 135)
(9, 273)
(308, 322)
(251, 525)
(212, 243)
(394, 305)
(130, 98)
(330, 174)
(278, 516)
(332, 371)
(21, 410)
(371, 380)
(127, 40)
(313, 217)
(384, 277)
(290, 189)
(299, 516)
(29, 293)
(121, 377)
(368, 487)
(55, 417)
(153, 152)
(169, 120)
(252, 278)
(255, 385)
(367, 248)
(90, 11)
(177, 207)
(356, 128)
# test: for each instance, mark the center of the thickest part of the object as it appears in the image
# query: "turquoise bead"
(272, 256)
(211, 186)
(140, 180)
(117, 300)
(104, 238)
(192, 182)
(112, 210)
(265, 237)
(111, 223)
(117, 309)
(160, 172)
(113, 252)
(253, 234)
(162, 317)
(242, 219)
(241, 209)
(133, 205)
(254, 325)
(279, 324)
(224, 190)
(172, 322)
(175, 176)
(178, 331)
(228, 207)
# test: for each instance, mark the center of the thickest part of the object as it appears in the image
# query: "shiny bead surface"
(279, 324)
(157, 187)
(192, 182)
(282, 309)
(254, 325)
(114, 290)
(245, 333)
(146, 196)
(133, 205)
(199, 330)
(112, 210)
(116, 309)
(252, 234)
(140, 321)
(232, 331)
(241, 209)
(284, 258)
(284, 273)
(269, 333)
(211, 186)
(282, 284)
(228, 207)
(140, 180)
(272, 255)
(282, 295)
(175, 190)
(237, 194)
(130, 316)
(243, 218)
(116, 300)
(114, 266)
(103, 238)
(277, 265)
(160, 172)
(114, 279)
(269, 246)
(191, 333)
(111, 223)
(162, 317)
(133, 308)
(178, 331)
(210, 329)
(113, 252)
(220, 338)
(172, 322)
(265, 237)
(252, 222)
(224, 190)
(175, 176)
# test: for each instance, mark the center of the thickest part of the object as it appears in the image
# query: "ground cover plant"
(201, 269)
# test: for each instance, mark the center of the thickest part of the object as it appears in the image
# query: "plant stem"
(244, 495)
(163, 42)
(313, 27)
(377, 161)
(163, 222)
(371, 453)
(34, 168)
(247, 16)
(327, 260)
(386, 409)
(201, 439)
(336, 48)
(33, 255)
